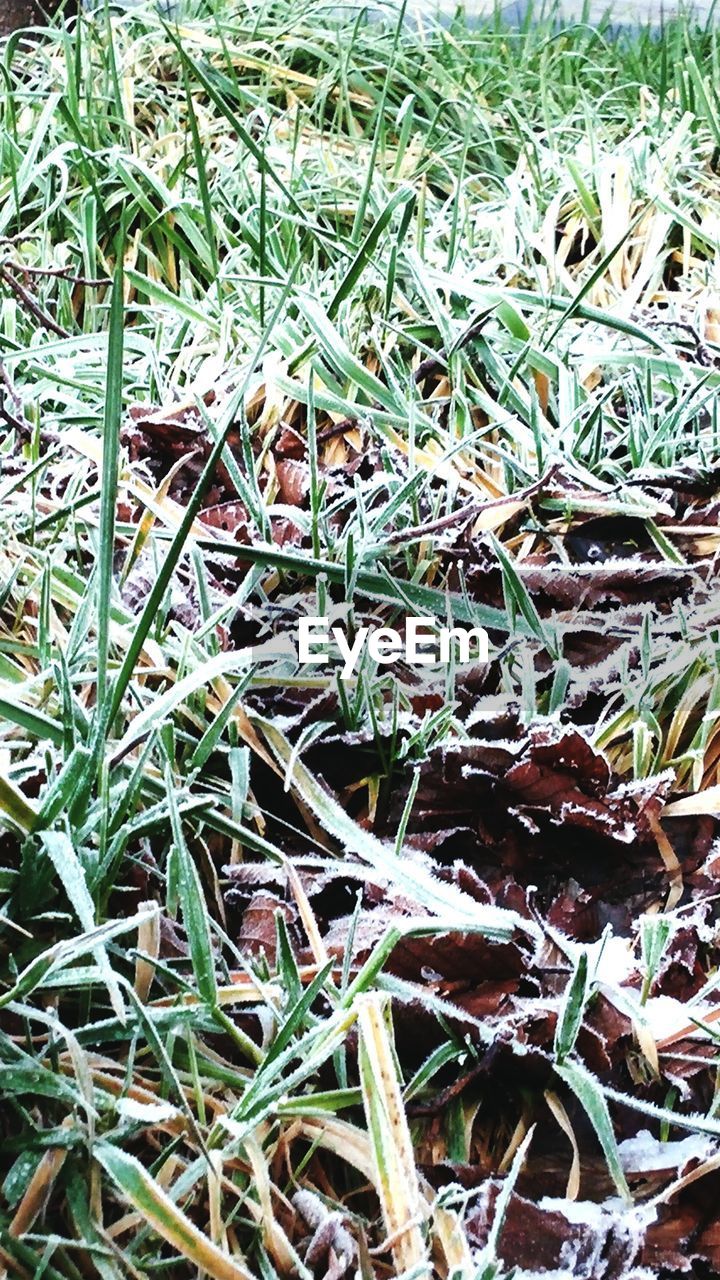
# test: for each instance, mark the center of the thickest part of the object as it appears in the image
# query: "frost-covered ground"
(308, 977)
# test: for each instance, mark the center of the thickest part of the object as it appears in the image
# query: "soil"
(22, 13)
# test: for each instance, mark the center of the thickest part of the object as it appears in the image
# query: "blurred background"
(19, 13)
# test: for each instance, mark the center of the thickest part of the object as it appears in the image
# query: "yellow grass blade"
(159, 1212)
(396, 1177)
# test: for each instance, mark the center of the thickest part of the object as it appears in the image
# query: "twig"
(439, 1104)
(22, 428)
(471, 510)
(20, 424)
(56, 273)
(32, 305)
(337, 429)
(21, 238)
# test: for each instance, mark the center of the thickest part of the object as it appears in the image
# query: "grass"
(430, 269)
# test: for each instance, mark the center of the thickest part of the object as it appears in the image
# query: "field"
(411, 974)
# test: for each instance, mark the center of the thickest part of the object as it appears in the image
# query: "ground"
(413, 973)
(15, 14)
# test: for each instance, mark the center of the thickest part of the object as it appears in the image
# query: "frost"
(611, 960)
(148, 1112)
(666, 1016)
(598, 1217)
(645, 1154)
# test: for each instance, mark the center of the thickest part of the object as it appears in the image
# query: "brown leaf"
(293, 482)
(586, 1242)
(258, 931)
